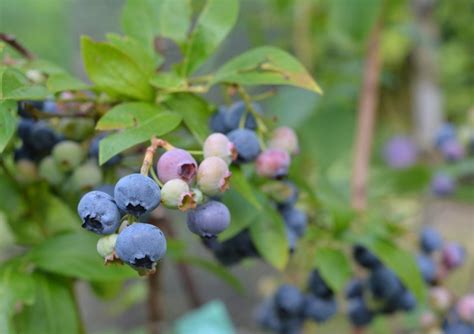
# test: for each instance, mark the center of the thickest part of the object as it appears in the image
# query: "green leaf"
(266, 66)
(7, 122)
(114, 71)
(54, 310)
(10, 80)
(195, 112)
(32, 92)
(127, 115)
(169, 82)
(269, 235)
(241, 184)
(75, 255)
(213, 24)
(214, 268)
(146, 19)
(242, 213)
(402, 262)
(334, 267)
(59, 82)
(145, 58)
(157, 125)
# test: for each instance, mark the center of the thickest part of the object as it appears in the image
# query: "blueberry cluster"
(436, 260)
(57, 155)
(287, 310)
(239, 125)
(379, 292)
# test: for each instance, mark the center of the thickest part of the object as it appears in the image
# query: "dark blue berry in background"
(430, 240)
(365, 258)
(246, 143)
(318, 287)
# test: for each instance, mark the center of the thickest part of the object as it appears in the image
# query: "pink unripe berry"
(218, 145)
(465, 308)
(452, 256)
(213, 176)
(285, 138)
(176, 164)
(176, 194)
(428, 320)
(273, 163)
(440, 298)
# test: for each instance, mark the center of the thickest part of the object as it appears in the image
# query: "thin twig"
(366, 120)
(150, 152)
(155, 311)
(12, 41)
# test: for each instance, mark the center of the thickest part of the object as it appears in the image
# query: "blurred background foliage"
(329, 37)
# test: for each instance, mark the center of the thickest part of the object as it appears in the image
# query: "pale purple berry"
(453, 256)
(176, 194)
(400, 152)
(452, 150)
(273, 163)
(176, 164)
(284, 138)
(443, 185)
(440, 298)
(213, 176)
(465, 308)
(208, 219)
(218, 145)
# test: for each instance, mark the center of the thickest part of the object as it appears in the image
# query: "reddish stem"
(365, 122)
(12, 41)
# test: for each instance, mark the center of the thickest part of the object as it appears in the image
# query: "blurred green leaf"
(59, 82)
(75, 255)
(7, 122)
(413, 179)
(170, 82)
(214, 268)
(402, 262)
(114, 71)
(10, 80)
(54, 310)
(269, 235)
(146, 19)
(241, 211)
(195, 112)
(30, 92)
(157, 125)
(241, 184)
(145, 58)
(334, 267)
(127, 115)
(266, 65)
(213, 24)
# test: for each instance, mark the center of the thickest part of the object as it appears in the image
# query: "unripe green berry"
(198, 196)
(26, 171)
(86, 177)
(49, 170)
(106, 245)
(68, 155)
(76, 128)
(213, 176)
(176, 194)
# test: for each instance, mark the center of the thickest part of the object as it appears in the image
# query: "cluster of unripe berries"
(401, 152)
(54, 154)
(287, 310)
(239, 124)
(436, 261)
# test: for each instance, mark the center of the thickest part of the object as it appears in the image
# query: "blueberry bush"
(93, 173)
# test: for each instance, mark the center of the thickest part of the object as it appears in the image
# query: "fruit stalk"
(12, 41)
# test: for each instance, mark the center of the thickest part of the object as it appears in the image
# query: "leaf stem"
(261, 127)
(155, 177)
(12, 41)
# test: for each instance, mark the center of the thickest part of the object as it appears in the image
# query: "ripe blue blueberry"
(318, 287)
(406, 301)
(141, 245)
(453, 256)
(365, 258)
(267, 316)
(295, 219)
(289, 300)
(42, 138)
(246, 143)
(292, 238)
(430, 240)
(208, 219)
(99, 213)
(354, 289)
(236, 111)
(24, 129)
(137, 194)
(427, 268)
(359, 313)
(50, 106)
(452, 150)
(384, 284)
(458, 328)
(445, 133)
(318, 309)
(216, 122)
